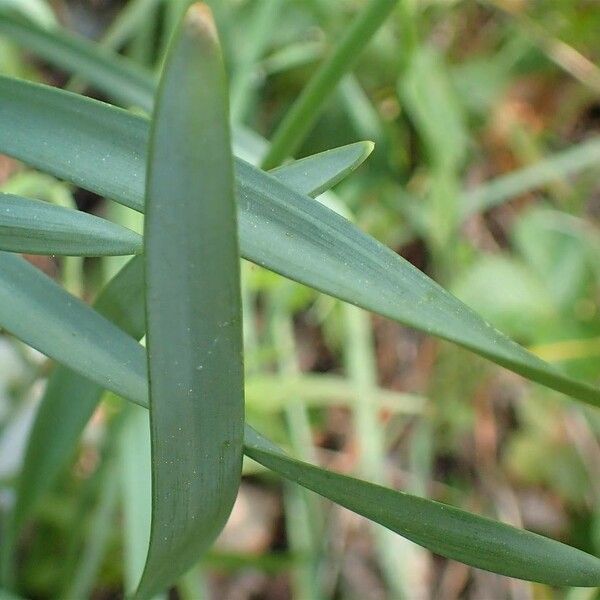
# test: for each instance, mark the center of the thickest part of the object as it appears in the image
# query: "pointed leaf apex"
(199, 18)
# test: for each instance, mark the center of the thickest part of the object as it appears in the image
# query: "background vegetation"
(485, 117)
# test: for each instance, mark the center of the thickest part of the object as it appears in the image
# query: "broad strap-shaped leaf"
(438, 527)
(444, 529)
(119, 78)
(193, 307)
(36, 227)
(280, 228)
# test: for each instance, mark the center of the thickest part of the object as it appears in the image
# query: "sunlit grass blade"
(280, 228)
(552, 168)
(438, 527)
(445, 530)
(122, 80)
(332, 166)
(36, 227)
(193, 307)
(305, 111)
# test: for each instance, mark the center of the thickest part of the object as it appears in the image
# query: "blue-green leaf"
(193, 307)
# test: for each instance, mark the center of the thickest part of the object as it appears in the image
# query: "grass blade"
(303, 114)
(279, 229)
(441, 528)
(36, 11)
(36, 227)
(332, 166)
(446, 530)
(193, 307)
(121, 79)
(104, 150)
(41, 313)
(70, 398)
(562, 164)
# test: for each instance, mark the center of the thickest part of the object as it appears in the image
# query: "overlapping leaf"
(279, 227)
(443, 529)
(70, 398)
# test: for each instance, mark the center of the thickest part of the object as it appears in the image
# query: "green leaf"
(552, 168)
(193, 307)
(104, 149)
(37, 11)
(332, 165)
(42, 314)
(36, 227)
(70, 398)
(448, 531)
(441, 528)
(119, 78)
(280, 228)
(304, 112)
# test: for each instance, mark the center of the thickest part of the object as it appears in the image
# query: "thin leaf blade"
(444, 529)
(36, 227)
(332, 166)
(121, 79)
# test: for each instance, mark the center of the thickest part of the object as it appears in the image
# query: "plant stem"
(303, 114)
(396, 555)
(302, 512)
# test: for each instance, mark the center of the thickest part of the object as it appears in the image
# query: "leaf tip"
(199, 19)
(369, 146)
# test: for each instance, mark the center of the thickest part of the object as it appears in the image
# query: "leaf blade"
(36, 227)
(448, 531)
(118, 77)
(193, 307)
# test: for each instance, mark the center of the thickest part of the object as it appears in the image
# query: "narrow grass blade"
(445, 530)
(127, 22)
(280, 228)
(36, 227)
(81, 584)
(332, 166)
(193, 307)
(441, 528)
(119, 78)
(562, 164)
(136, 486)
(43, 315)
(303, 114)
(70, 398)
